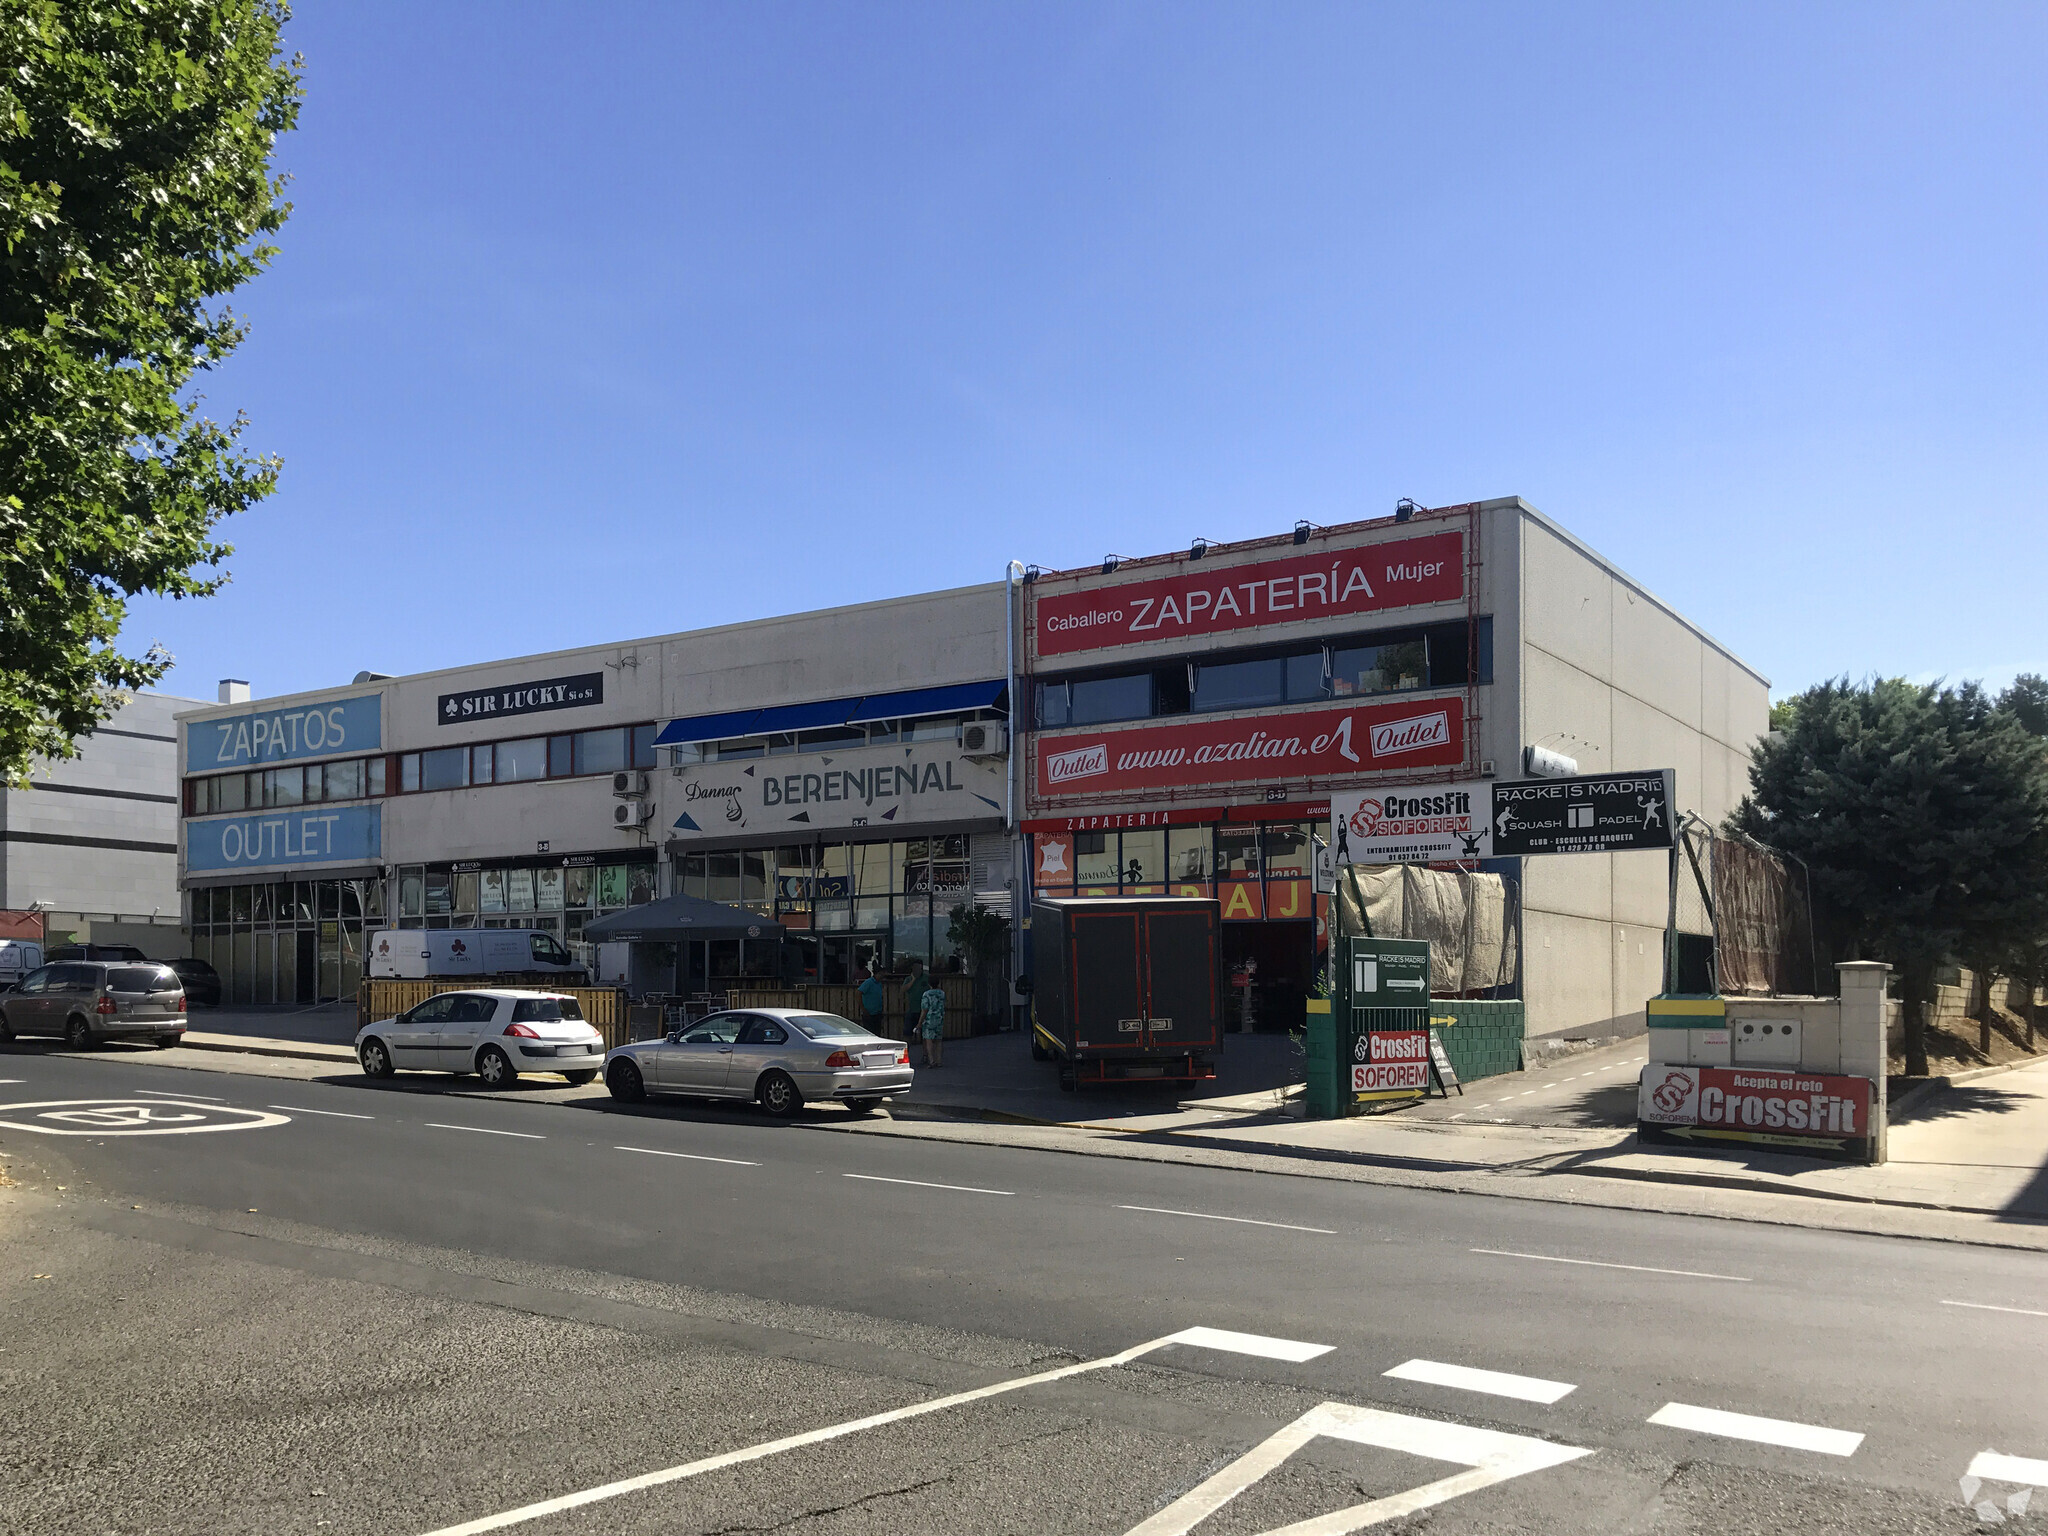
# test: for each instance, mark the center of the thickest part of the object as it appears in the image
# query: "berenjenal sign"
(530, 698)
(873, 787)
(1204, 598)
(1598, 813)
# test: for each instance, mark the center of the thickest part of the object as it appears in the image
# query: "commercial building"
(1190, 715)
(815, 768)
(92, 842)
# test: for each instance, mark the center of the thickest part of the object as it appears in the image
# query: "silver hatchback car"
(781, 1056)
(87, 1001)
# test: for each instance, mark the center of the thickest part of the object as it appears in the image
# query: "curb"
(260, 1047)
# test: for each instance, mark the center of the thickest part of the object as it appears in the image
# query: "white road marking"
(1214, 1338)
(339, 1114)
(1985, 1306)
(481, 1130)
(1743, 1426)
(131, 1117)
(1488, 1455)
(2009, 1469)
(1642, 1269)
(964, 1189)
(1250, 1344)
(695, 1157)
(165, 1093)
(13, 1079)
(1285, 1226)
(1529, 1389)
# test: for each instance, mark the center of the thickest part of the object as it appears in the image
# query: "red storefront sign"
(1301, 744)
(1207, 600)
(1755, 1103)
(1397, 1059)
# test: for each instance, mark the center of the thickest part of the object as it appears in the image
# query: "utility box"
(1126, 987)
(1764, 1042)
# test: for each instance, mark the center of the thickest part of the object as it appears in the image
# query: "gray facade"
(93, 841)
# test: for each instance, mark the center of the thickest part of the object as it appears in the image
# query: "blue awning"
(679, 733)
(927, 701)
(827, 712)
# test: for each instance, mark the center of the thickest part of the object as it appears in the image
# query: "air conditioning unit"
(630, 784)
(632, 815)
(984, 738)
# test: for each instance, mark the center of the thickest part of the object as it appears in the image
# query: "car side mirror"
(674, 1037)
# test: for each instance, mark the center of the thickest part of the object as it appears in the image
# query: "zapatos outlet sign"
(1300, 744)
(1206, 599)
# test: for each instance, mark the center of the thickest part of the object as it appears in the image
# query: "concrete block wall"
(1613, 677)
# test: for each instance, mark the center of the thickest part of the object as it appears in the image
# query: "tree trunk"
(1915, 986)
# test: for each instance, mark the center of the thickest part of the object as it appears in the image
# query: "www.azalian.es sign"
(281, 839)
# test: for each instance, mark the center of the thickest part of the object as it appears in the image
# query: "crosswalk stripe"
(1529, 1389)
(1995, 1468)
(1744, 1426)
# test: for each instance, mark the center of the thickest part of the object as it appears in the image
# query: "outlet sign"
(1799, 1111)
(308, 835)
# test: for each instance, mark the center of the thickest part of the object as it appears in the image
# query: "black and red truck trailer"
(1126, 987)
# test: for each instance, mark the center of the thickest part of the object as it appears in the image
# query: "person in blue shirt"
(871, 1002)
(934, 1022)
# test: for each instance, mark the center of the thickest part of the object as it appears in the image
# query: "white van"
(418, 954)
(17, 958)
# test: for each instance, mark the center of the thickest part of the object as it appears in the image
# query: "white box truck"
(17, 958)
(422, 954)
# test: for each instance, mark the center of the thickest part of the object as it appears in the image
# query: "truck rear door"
(1180, 979)
(1103, 979)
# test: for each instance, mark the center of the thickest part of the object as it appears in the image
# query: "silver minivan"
(87, 1001)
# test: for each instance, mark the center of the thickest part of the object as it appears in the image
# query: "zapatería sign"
(1412, 823)
(1300, 744)
(521, 698)
(1801, 1111)
(1596, 813)
(1391, 1060)
(1208, 599)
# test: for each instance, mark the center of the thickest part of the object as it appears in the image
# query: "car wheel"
(778, 1094)
(165, 1042)
(863, 1106)
(578, 1079)
(625, 1082)
(376, 1059)
(496, 1068)
(77, 1033)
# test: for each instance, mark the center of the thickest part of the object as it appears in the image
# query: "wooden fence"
(845, 1001)
(382, 997)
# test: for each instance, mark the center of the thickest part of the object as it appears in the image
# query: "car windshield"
(827, 1026)
(142, 978)
(545, 1010)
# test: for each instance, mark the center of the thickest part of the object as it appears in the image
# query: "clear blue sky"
(596, 321)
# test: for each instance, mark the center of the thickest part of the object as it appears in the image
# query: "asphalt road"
(385, 1309)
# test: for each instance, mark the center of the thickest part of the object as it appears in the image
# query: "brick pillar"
(1863, 1055)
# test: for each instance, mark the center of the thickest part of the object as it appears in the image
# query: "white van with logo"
(17, 958)
(421, 954)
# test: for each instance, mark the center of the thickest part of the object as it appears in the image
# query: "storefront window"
(911, 930)
(547, 890)
(643, 746)
(411, 891)
(466, 891)
(515, 762)
(345, 780)
(444, 768)
(409, 773)
(754, 877)
(1095, 859)
(259, 905)
(519, 890)
(561, 756)
(722, 877)
(327, 898)
(492, 889)
(639, 884)
(938, 728)
(874, 868)
(1241, 684)
(284, 786)
(578, 882)
(373, 779)
(372, 898)
(1237, 853)
(612, 888)
(871, 916)
(1289, 854)
(1097, 699)
(1144, 856)
(231, 793)
(1188, 851)
(1383, 668)
(440, 893)
(480, 765)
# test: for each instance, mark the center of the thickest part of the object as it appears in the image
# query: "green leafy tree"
(1923, 814)
(2027, 702)
(135, 195)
